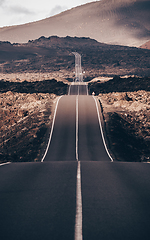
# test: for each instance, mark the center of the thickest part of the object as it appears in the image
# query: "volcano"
(119, 22)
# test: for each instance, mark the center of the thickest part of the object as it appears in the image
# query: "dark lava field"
(55, 54)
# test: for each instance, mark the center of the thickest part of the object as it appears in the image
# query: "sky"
(15, 12)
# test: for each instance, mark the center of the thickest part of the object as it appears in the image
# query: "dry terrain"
(47, 58)
(126, 114)
(32, 75)
(25, 119)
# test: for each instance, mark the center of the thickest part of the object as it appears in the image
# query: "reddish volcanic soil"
(146, 45)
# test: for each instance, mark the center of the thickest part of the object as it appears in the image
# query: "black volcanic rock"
(55, 54)
(47, 86)
(118, 84)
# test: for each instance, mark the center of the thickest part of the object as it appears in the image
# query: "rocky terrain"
(28, 90)
(126, 111)
(53, 57)
(120, 84)
(46, 86)
(25, 119)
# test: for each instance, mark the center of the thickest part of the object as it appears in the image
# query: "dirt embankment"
(127, 117)
(25, 118)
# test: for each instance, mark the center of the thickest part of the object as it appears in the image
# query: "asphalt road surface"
(78, 89)
(63, 143)
(116, 199)
(39, 200)
(90, 145)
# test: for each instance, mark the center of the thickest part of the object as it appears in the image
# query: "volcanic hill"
(122, 22)
(54, 56)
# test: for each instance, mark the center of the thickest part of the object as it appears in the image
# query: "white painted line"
(78, 220)
(77, 110)
(87, 89)
(51, 130)
(69, 90)
(111, 159)
(2, 164)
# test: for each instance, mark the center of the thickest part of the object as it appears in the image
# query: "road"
(37, 201)
(78, 89)
(77, 110)
(41, 200)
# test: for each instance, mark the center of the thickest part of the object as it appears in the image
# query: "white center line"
(78, 220)
(69, 90)
(87, 89)
(77, 127)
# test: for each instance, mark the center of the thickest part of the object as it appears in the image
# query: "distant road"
(78, 89)
(77, 192)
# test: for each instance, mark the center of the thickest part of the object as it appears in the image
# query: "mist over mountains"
(122, 22)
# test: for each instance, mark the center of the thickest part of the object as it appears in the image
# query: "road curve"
(91, 145)
(77, 134)
(63, 143)
(77, 192)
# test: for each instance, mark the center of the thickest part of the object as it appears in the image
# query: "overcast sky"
(14, 12)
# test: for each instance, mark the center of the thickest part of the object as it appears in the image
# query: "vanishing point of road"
(77, 191)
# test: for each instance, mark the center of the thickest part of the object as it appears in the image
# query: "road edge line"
(2, 164)
(102, 130)
(78, 219)
(50, 137)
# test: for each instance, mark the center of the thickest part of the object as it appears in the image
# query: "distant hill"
(122, 22)
(146, 45)
(55, 54)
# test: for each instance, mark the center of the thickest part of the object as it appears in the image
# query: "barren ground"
(25, 118)
(28, 90)
(126, 117)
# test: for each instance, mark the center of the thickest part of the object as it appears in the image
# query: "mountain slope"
(146, 45)
(123, 22)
